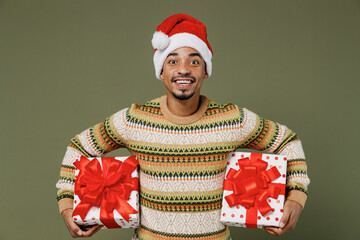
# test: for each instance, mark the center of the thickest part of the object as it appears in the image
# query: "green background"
(66, 65)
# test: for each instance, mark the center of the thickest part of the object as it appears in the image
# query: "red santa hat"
(180, 30)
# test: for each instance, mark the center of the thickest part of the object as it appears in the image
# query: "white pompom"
(160, 40)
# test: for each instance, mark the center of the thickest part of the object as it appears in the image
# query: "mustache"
(183, 76)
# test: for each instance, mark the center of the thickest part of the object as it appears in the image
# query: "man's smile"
(183, 82)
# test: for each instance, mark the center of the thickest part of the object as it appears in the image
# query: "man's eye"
(194, 62)
(172, 61)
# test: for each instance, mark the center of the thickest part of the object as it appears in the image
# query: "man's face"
(183, 73)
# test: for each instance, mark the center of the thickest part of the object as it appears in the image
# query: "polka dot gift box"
(106, 192)
(254, 190)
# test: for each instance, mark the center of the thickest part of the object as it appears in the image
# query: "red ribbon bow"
(251, 186)
(107, 186)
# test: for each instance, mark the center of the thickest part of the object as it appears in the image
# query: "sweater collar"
(204, 101)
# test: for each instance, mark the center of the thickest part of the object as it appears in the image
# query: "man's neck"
(183, 108)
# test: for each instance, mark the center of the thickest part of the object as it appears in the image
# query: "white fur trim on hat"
(182, 40)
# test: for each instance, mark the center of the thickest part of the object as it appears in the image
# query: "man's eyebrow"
(172, 54)
(195, 54)
(190, 55)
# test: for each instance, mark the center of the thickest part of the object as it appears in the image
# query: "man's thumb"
(285, 218)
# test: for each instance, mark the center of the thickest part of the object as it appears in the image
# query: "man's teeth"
(183, 81)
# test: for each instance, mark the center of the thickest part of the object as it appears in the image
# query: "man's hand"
(74, 229)
(289, 219)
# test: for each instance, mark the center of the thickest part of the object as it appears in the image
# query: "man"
(182, 141)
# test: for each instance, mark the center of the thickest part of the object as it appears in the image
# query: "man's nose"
(183, 68)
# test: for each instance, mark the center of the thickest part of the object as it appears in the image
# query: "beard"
(183, 96)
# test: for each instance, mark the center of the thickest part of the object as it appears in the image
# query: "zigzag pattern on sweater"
(181, 165)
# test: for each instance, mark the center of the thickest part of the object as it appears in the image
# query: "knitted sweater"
(183, 161)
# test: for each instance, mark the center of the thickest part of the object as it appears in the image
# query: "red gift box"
(254, 190)
(106, 192)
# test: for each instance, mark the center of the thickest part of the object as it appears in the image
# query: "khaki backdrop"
(66, 65)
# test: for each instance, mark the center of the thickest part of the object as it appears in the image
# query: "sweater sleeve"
(271, 137)
(95, 141)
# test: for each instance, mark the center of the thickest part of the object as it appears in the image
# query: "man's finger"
(74, 229)
(91, 231)
(285, 218)
(270, 230)
(289, 219)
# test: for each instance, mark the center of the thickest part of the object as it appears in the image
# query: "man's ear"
(161, 75)
(206, 74)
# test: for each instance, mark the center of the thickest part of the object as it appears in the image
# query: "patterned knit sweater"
(182, 162)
